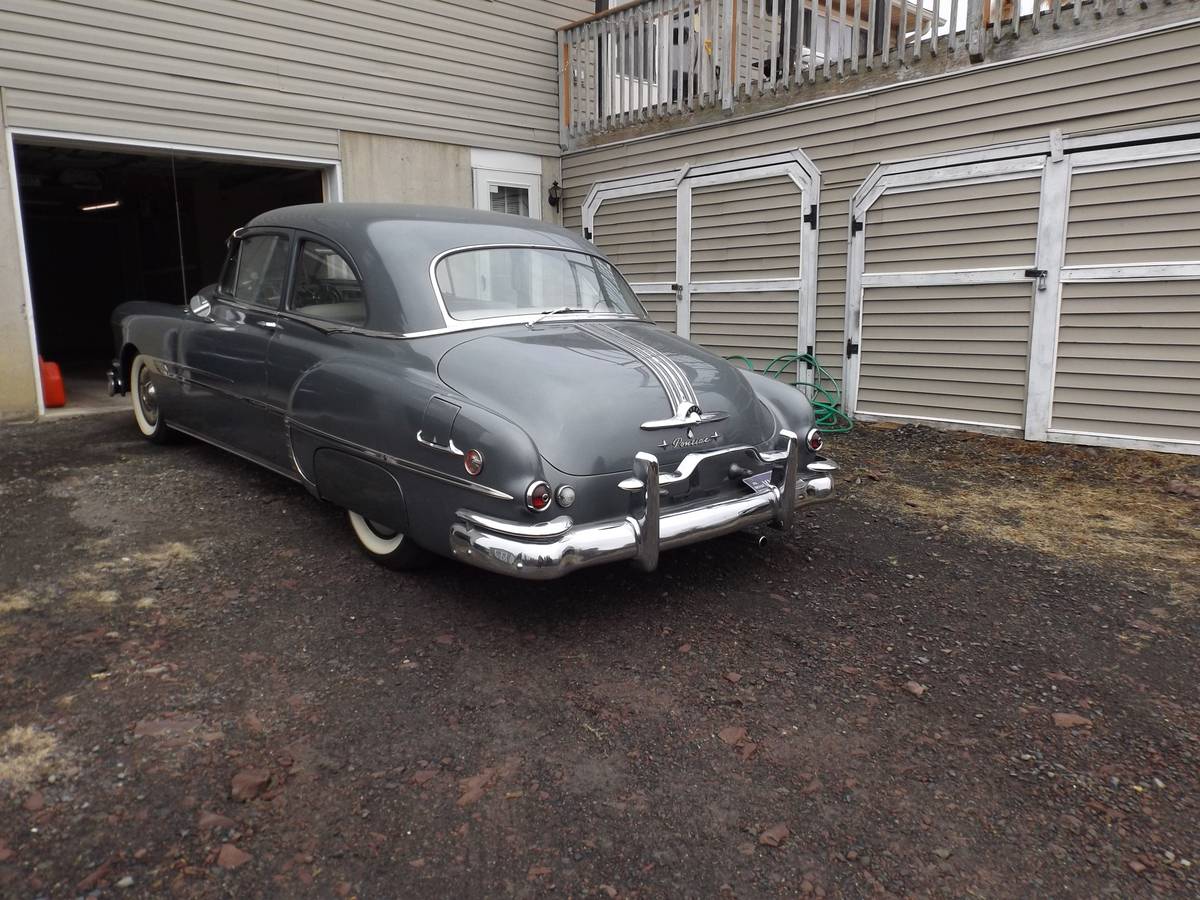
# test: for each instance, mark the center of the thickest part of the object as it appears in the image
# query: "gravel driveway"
(928, 688)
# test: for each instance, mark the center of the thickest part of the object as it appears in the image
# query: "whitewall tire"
(146, 411)
(386, 546)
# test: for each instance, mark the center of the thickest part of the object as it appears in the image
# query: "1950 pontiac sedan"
(479, 386)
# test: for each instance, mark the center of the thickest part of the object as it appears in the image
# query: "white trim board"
(331, 182)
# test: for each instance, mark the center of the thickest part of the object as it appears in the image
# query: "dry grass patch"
(26, 756)
(1071, 502)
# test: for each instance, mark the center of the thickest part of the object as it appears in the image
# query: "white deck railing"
(654, 58)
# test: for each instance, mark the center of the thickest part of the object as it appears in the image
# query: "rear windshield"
(488, 282)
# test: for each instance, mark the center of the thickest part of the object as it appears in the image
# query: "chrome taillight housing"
(538, 496)
(814, 440)
(473, 462)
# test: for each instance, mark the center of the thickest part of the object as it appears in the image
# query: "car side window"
(261, 269)
(326, 287)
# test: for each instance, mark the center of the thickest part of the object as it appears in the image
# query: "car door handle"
(267, 323)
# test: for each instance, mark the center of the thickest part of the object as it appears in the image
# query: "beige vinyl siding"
(972, 226)
(746, 230)
(252, 75)
(758, 326)
(1097, 88)
(954, 352)
(1135, 214)
(1129, 360)
(638, 235)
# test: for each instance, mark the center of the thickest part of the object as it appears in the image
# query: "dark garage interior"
(103, 227)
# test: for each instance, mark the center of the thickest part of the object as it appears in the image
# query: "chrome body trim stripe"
(678, 389)
(407, 465)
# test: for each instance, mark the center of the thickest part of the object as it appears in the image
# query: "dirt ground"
(974, 675)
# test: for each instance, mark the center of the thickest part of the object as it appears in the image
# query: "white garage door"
(1054, 294)
(947, 304)
(718, 252)
(1128, 360)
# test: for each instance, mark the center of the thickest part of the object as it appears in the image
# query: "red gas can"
(53, 392)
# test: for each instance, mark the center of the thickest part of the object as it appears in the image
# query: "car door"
(225, 352)
(324, 301)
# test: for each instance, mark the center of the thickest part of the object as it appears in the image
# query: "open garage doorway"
(103, 226)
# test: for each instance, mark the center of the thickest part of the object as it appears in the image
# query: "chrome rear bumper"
(551, 549)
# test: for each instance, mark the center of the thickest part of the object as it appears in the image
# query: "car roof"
(393, 246)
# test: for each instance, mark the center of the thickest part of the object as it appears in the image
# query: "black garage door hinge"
(851, 348)
(856, 226)
(810, 217)
(808, 352)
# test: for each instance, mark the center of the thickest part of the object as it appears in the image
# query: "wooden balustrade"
(651, 59)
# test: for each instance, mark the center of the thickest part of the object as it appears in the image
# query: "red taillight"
(538, 496)
(473, 462)
(814, 440)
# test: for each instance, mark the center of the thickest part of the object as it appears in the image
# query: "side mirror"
(200, 307)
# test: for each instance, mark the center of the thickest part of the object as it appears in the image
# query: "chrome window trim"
(453, 324)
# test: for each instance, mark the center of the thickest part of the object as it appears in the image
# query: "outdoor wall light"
(555, 195)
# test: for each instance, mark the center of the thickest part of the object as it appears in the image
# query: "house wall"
(1139, 80)
(247, 75)
(398, 93)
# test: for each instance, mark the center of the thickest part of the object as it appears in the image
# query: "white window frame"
(494, 168)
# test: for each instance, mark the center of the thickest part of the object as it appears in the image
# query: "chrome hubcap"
(147, 399)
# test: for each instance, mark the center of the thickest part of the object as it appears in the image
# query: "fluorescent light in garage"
(111, 204)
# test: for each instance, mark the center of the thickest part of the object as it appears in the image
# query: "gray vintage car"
(479, 386)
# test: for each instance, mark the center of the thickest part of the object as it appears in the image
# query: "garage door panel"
(1146, 228)
(1074, 334)
(970, 387)
(960, 408)
(1137, 376)
(1112, 219)
(1164, 374)
(638, 235)
(746, 247)
(981, 355)
(1010, 213)
(1127, 321)
(998, 364)
(1127, 351)
(1154, 431)
(1127, 395)
(1167, 192)
(760, 326)
(989, 235)
(953, 227)
(1103, 416)
(938, 375)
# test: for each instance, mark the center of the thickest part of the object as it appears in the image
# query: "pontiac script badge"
(690, 441)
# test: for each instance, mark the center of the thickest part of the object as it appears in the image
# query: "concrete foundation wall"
(18, 387)
(382, 169)
(377, 168)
